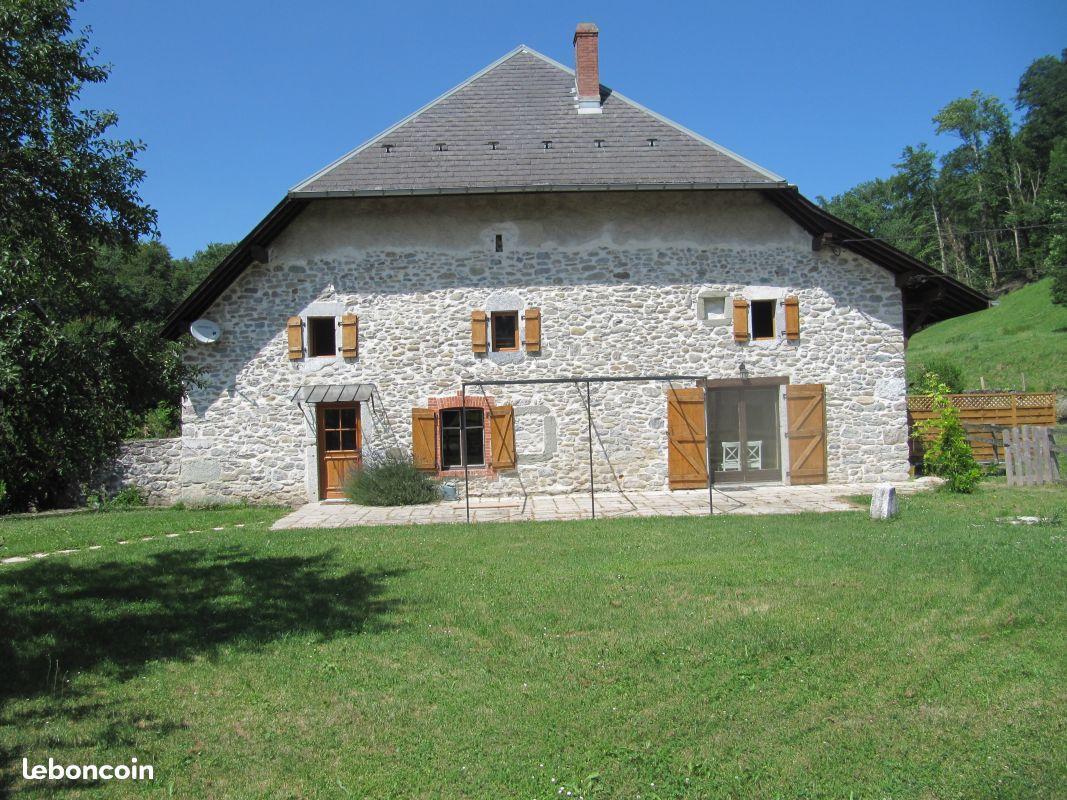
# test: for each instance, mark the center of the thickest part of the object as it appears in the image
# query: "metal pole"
(589, 430)
(463, 451)
(707, 448)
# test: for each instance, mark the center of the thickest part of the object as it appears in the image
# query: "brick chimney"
(587, 67)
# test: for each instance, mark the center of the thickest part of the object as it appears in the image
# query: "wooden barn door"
(806, 407)
(686, 448)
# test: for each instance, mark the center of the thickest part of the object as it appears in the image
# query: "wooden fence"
(986, 415)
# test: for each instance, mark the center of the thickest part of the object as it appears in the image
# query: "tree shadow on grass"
(112, 619)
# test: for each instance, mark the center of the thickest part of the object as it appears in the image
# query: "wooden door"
(686, 446)
(806, 411)
(340, 441)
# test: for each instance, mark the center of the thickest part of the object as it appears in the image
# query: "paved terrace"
(770, 499)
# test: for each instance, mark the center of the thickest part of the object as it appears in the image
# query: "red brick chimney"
(587, 67)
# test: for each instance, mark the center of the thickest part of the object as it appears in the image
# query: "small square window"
(505, 330)
(322, 338)
(713, 307)
(762, 319)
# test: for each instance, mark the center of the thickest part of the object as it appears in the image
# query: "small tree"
(946, 451)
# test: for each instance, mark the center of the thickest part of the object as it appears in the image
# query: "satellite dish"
(205, 331)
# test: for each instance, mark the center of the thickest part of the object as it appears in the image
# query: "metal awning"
(334, 393)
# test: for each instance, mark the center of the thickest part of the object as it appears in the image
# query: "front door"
(745, 439)
(339, 447)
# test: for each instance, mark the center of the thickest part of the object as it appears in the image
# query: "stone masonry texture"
(617, 276)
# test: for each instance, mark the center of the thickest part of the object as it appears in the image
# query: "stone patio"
(768, 499)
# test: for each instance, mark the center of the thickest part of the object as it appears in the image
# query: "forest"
(991, 211)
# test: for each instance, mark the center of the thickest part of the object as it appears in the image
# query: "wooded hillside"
(992, 211)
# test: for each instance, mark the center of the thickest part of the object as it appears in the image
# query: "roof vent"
(587, 67)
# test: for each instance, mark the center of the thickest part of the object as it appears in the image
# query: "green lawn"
(1025, 335)
(807, 656)
(27, 534)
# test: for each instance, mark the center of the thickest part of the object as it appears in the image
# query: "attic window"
(440, 147)
(652, 142)
(598, 143)
(499, 243)
(547, 144)
(492, 145)
(388, 147)
(762, 319)
(322, 339)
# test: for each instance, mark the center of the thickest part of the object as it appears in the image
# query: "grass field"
(1025, 335)
(808, 656)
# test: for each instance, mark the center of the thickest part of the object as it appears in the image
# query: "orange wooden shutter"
(349, 336)
(686, 434)
(533, 330)
(423, 438)
(806, 413)
(502, 436)
(478, 332)
(740, 319)
(296, 338)
(792, 318)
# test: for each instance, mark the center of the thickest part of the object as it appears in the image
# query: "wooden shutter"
(423, 438)
(478, 332)
(740, 319)
(686, 447)
(792, 318)
(502, 436)
(296, 338)
(533, 330)
(349, 336)
(806, 411)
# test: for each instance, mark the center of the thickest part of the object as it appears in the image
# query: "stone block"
(884, 501)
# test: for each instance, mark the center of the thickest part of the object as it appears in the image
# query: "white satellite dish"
(205, 331)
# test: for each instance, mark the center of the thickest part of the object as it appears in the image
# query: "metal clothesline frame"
(588, 381)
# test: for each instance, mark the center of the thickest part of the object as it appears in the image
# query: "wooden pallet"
(1030, 455)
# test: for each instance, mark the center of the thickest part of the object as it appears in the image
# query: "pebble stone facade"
(617, 276)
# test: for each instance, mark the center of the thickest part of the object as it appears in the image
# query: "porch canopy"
(334, 393)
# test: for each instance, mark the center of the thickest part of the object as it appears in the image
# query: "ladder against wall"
(1030, 455)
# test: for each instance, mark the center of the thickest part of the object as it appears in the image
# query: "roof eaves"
(525, 188)
(351, 153)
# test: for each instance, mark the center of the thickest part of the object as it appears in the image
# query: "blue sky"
(238, 101)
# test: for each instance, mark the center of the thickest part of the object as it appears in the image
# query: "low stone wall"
(152, 465)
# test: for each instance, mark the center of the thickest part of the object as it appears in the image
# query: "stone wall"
(151, 465)
(617, 277)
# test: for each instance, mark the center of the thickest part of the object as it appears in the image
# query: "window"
(451, 456)
(505, 330)
(322, 339)
(763, 319)
(713, 307)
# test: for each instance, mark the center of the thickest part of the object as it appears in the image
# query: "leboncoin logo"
(87, 772)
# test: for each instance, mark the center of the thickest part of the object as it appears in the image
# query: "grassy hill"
(1024, 335)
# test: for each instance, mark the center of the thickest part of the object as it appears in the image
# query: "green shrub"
(948, 371)
(130, 497)
(946, 451)
(391, 483)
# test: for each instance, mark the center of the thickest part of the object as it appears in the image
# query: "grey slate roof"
(519, 102)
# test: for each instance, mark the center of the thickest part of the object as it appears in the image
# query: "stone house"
(535, 225)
